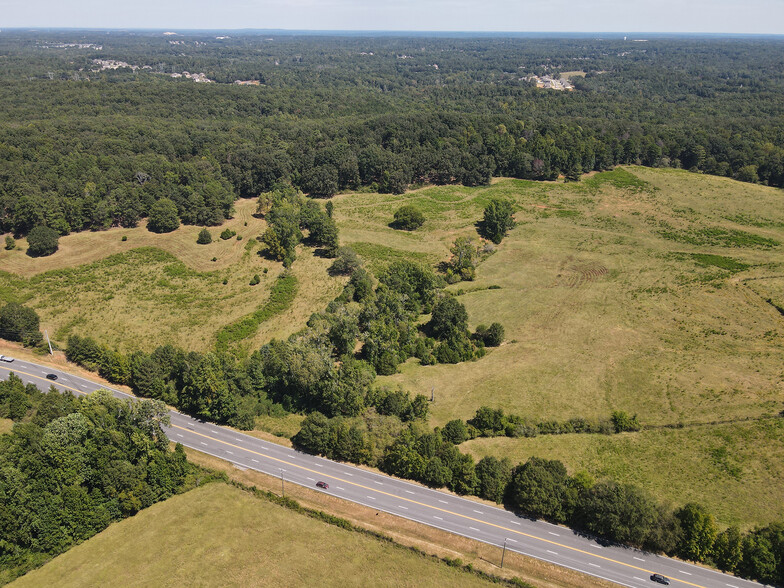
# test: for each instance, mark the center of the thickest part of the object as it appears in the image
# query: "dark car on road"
(51, 376)
(660, 579)
(322, 485)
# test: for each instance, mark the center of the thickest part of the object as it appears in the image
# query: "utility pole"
(503, 553)
(48, 341)
(432, 394)
(283, 486)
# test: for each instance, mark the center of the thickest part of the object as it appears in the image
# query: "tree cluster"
(71, 466)
(20, 323)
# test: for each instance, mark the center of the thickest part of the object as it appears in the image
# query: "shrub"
(10, 243)
(18, 323)
(227, 234)
(346, 263)
(256, 279)
(623, 422)
(408, 218)
(42, 241)
(124, 238)
(204, 238)
(163, 217)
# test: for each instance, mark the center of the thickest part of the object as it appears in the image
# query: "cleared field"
(628, 291)
(218, 535)
(156, 289)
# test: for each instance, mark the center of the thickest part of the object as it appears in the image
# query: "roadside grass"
(146, 296)
(430, 540)
(602, 312)
(219, 535)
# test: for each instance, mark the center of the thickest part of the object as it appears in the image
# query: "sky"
(698, 16)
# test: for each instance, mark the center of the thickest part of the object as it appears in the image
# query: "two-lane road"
(489, 524)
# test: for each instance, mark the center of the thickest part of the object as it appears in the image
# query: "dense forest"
(83, 147)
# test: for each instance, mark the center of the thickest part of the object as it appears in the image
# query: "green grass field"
(218, 535)
(639, 290)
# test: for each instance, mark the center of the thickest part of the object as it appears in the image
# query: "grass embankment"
(6, 425)
(629, 291)
(156, 289)
(219, 535)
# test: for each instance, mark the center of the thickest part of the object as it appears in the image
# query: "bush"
(227, 234)
(204, 238)
(10, 243)
(42, 241)
(408, 218)
(455, 432)
(124, 238)
(256, 279)
(623, 422)
(347, 262)
(491, 336)
(18, 323)
(163, 217)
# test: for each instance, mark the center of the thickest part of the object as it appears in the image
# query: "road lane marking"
(439, 518)
(512, 540)
(594, 565)
(533, 537)
(348, 474)
(254, 460)
(372, 497)
(318, 465)
(227, 451)
(687, 573)
(409, 491)
(515, 523)
(553, 552)
(339, 488)
(551, 533)
(312, 479)
(638, 558)
(178, 434)
(403, 507)
(478, 512)
(203, 443)
(474, 529)
(640, 579)
(444, 501)
(379, 483)
(600, 547)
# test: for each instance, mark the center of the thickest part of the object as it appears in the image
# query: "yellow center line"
(436, 508)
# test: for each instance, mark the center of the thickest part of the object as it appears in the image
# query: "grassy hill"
(654, 291)
(639, 290)
(218, 535)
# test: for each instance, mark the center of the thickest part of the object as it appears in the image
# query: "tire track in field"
(572, 280)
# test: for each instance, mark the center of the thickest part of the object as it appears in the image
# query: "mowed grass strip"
(282, 295)
(218, 535)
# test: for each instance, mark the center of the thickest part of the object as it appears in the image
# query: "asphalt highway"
(491, 525)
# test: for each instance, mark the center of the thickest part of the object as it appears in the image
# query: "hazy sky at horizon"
(719, 16)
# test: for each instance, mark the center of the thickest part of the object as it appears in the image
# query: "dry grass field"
(156, 289)
(218, 535)
(639, 290)
(6, 425)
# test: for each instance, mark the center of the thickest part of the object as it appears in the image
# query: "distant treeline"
(344, 114)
